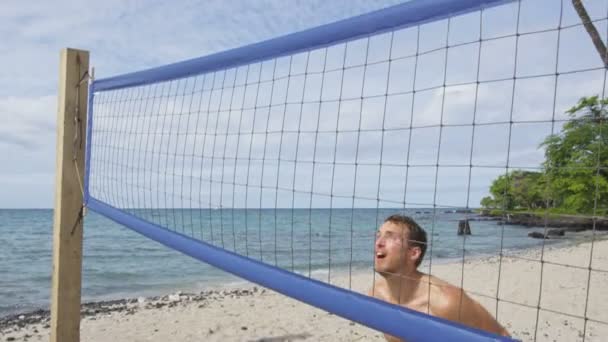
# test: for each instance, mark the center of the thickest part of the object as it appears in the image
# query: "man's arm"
(474, 314)
(468, 312)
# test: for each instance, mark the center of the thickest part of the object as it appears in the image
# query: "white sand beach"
(256, 314)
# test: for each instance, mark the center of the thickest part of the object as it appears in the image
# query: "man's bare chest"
(420, 304)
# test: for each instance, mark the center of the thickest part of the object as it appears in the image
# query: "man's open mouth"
(380, 255)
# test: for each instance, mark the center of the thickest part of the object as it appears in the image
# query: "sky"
(126, 36)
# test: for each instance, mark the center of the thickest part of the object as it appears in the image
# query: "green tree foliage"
(516, 190)
(575, 171)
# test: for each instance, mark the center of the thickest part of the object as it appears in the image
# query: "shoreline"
(249, 312)
(129, 306)
(107, 303)
(565, 222)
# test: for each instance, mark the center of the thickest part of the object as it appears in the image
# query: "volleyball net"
(278, 161)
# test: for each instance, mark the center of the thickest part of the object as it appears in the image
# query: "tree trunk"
(595, 36)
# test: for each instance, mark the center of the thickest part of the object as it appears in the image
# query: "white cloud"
(125, 36)
(29, 121)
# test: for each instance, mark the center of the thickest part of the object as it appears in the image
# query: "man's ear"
(415, 253)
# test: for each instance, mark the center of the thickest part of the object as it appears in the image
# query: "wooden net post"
(69, 210)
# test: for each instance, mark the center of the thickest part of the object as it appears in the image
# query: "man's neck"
(403, 287)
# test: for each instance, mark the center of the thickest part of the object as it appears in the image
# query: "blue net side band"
(411, 13)
(89, 143)
(389, 318)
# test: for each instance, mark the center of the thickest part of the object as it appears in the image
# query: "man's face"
(391, 252)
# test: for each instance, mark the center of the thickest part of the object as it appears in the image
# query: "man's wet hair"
(416, 236)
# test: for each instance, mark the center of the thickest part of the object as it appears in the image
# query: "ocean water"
(119, 263)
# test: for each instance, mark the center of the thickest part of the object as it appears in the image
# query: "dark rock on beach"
(550, 233)
(126, 306)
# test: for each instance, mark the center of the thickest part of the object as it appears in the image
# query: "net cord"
(404, 15)
(379, 315)
(391, 319)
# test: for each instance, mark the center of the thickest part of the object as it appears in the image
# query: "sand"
(249, 313)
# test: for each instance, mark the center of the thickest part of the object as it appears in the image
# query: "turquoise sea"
(119, 263)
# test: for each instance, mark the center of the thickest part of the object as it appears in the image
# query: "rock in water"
(464, 228)
(556, 232)
(537, 235)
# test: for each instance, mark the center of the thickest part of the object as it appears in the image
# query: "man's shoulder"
(447, 297)
(378, 287)
(443, 288)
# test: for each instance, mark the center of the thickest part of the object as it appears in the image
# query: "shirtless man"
(400, 247)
